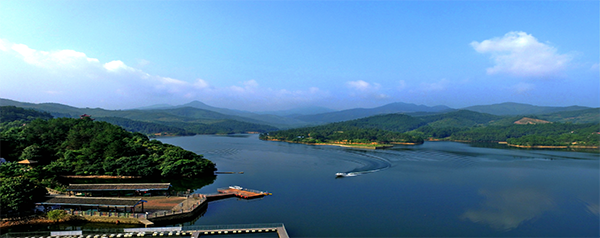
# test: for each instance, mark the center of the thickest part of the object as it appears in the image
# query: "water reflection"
(506, 209)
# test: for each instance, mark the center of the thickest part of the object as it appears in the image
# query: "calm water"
(434, 189)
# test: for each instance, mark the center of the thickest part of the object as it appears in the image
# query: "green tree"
(19, 194)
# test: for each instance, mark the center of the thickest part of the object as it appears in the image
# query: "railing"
(86, 232)
(232, 226)
(106, 214)
(243, 189)
(37, 234)
(153, 229)
(186, 206)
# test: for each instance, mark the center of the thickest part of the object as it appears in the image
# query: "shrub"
(56, 215)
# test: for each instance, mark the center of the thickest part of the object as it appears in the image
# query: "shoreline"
(42, 220)
(551, 146)
(358, 146)
(523, 146)
(99, 177)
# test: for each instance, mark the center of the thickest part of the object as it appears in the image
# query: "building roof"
(92, 202)
(119, 187)
(27, 162)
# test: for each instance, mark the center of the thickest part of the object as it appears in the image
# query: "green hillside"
(12, 113)
(177, 121)
(591, 115)
(461, 125)
(511, 108)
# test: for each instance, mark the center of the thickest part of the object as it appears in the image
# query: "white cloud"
(507, 209)
(71, 77)
(117, 65)
(522, 55)
(362, 85)
(366, 90)
(50, 59)
(201, 84)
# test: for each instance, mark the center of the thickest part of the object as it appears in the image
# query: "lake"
(434, 189)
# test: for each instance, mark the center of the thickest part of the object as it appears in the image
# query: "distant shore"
(99, 177)
(550, 146)
(350, 145)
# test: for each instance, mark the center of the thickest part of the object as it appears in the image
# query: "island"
(338, 134)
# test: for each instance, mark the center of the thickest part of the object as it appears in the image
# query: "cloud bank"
(522, 55)
(64, 75)
(365, 90)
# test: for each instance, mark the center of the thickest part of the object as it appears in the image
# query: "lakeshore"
(373, 146)
(162, 209)
(549, 146)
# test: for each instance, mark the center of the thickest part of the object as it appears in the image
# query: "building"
(119, 190)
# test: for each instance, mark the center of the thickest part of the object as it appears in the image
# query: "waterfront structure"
(117, 190)
(86, 203)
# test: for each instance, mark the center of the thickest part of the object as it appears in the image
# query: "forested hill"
(12, 113)
(64, 146)
(68, 146)
(174, 121)
(351, 114)
(511, 108)
(461, 125)
(341, 133)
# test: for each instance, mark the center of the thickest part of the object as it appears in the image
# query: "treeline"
(67, 146)
(187, 128)
(537, 134)
(148, 128)
(338, 132)
(12, 113)
(222, 127)
(86, 147)
(461, 125)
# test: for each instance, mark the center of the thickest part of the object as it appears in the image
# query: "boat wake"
(370, 164)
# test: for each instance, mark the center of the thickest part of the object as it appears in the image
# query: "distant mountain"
(156, 106)
(460, 118)
(298, 111)
(12, 113)
(201, 105)
(591, 115)
(192, 120)
(511, 108)
(356, 113)
(273, 120)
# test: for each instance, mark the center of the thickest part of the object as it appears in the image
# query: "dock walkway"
(198, 231)
(193, 231)
(242, 192)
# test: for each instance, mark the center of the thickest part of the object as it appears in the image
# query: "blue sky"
(272, 55)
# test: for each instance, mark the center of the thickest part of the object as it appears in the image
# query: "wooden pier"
(193, 231)
(241, 192)
(240, 229)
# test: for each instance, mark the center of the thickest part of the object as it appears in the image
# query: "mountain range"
(197, 117)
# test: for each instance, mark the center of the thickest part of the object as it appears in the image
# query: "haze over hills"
(197, 116)
(511, 108)
(356, 113)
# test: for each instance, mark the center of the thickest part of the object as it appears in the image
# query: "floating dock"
(240, 192)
